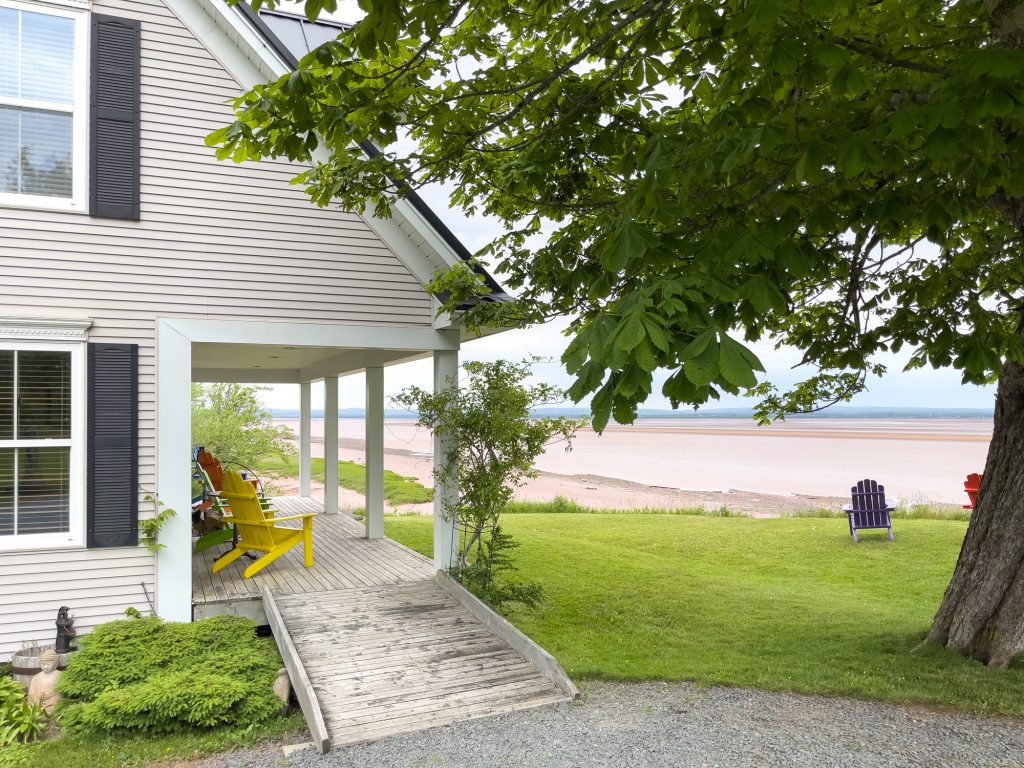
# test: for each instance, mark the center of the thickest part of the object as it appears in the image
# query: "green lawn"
(398, 489)
(788, 604)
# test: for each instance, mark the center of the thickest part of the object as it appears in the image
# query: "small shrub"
(487, 575)
(560, 504)
(20, 722)
(144, 674)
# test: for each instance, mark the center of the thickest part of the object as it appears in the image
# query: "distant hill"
(836, 412)
(343, 413)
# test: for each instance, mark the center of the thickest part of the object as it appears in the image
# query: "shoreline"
(732, 463)
(588, 490)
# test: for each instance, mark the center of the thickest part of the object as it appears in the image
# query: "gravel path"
(677, 725)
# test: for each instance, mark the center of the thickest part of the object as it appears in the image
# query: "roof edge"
(498, 293)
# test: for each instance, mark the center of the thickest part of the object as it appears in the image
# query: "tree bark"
(982, 613)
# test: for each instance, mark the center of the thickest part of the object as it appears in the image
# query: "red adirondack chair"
(971, 486)
(869, 508)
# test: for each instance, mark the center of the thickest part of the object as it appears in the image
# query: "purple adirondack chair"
(869, 508)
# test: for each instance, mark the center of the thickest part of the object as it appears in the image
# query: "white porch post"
(304, 439)
(446, 372)
(374, 453)
(173, 470)
(331, 445)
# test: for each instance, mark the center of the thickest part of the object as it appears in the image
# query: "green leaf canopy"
(840, 176)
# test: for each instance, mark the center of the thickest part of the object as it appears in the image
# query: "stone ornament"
(43, 688)
(283, 688)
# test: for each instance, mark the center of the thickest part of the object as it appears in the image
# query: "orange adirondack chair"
(971, 486)
(258, 532)
(212, 472)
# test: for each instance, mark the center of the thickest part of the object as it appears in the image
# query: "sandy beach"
(712, 463)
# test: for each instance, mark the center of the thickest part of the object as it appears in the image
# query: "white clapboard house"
(133, 263)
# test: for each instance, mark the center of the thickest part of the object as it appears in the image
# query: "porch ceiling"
(262, 363)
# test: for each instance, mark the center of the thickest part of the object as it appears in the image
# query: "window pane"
(35, 152)
(43, 490)
(47, 57)
(9, 69)
(10, 168)
(6, 394)
(6, 491)
(45, 153)
(44, 395)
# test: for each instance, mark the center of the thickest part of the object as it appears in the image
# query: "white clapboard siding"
(98, 584)
(216, 240)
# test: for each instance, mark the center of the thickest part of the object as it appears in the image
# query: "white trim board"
(44, 329)
(173, 471)
(350, 336)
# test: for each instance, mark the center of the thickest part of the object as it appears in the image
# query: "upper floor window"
(43, 105)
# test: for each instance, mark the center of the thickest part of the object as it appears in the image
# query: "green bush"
(20, 721)
(163, 677)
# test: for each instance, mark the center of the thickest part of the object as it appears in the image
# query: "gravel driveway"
(677, 725)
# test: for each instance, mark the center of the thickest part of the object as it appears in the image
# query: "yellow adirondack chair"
(258, 532)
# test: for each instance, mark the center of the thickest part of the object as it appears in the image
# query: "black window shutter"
(113, 446)
(116, 58)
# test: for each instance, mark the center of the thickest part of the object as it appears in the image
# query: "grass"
(119, 752)
(912, 512)
(562, 505)
(398, 489)
(780, 604)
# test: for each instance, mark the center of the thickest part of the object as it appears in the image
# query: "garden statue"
(65, 630)
(283, 688)
(43, 688)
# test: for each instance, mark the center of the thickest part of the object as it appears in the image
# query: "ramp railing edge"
(545, 663)
(297, 673)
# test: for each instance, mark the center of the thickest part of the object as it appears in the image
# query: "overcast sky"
(920, 388)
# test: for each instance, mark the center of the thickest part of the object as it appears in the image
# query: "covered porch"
(347, 553)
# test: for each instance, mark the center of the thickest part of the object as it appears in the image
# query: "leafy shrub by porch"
(20, 721)
(164, 677)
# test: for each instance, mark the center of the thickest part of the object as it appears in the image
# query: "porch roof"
(280, 364)
(256, 351)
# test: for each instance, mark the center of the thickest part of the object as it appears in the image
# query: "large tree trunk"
(982, 613)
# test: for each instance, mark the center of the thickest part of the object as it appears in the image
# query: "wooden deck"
(372, 642)
(343, 559)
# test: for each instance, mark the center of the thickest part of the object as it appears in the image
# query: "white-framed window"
(43, 105)
(42, 445)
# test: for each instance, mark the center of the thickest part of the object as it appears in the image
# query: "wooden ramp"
(388, 659)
